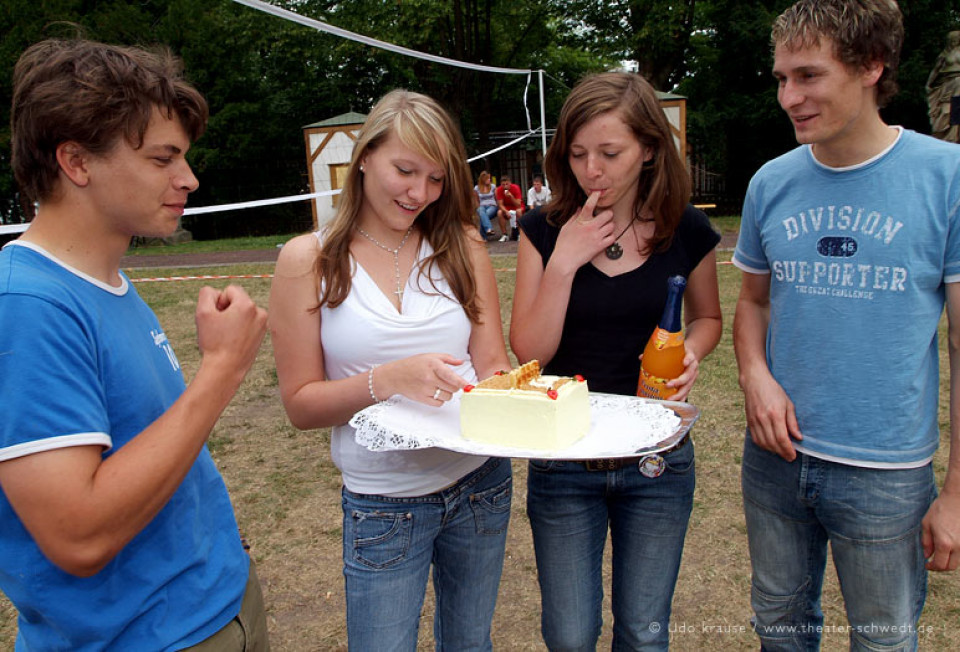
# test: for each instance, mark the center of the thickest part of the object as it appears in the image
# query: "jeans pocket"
(381, 539)
(680, 461)
(491, 508)
(543, 466)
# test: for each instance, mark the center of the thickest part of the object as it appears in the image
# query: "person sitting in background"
(116, 530)
(397, 296)
(509, 208)
(538, 194)
(486, 203)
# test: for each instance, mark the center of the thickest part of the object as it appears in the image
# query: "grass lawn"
(208, 246)
(725, 224)
(286, 494)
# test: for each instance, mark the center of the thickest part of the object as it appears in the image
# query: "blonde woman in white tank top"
(397, 296)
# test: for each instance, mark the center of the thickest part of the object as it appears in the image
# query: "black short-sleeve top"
(610, 318)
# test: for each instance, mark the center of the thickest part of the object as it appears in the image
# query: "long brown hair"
(483, 180)
(664, 185)
(424, 126)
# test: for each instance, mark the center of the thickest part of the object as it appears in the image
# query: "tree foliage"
(656, 34)
(733, 116)
(266, 78)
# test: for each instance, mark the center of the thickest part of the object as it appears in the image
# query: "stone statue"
(943, 84)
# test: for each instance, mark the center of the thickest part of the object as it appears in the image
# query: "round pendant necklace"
(395, 252)
(614, 251)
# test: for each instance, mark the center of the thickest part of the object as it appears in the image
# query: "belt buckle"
(652, 466)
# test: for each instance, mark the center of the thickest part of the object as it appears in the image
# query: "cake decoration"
(524, 409)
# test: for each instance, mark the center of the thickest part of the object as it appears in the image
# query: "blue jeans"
(486, 214)
(389, 545)
(871, 517)
(570, 509)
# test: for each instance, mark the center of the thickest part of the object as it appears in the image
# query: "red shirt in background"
(511, 203)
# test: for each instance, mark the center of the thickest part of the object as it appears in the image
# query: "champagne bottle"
(663, 356)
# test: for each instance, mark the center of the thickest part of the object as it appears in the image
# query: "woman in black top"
(592, 269)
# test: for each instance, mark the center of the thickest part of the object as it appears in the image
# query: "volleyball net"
(321, 26)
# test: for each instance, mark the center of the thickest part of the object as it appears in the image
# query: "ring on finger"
(436, 394)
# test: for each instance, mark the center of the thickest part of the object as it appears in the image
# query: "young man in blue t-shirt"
(116, 530)
(850, 247)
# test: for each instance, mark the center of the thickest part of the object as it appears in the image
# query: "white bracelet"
(370, 383)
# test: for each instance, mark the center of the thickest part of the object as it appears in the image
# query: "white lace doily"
(620, 426)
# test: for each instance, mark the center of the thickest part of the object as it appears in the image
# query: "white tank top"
(366, 329)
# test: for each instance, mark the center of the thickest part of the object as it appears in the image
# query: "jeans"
(871, 517)
(389, 545)
(486, 214)
(570, 509)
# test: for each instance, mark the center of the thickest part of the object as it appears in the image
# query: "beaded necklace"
(395, 252)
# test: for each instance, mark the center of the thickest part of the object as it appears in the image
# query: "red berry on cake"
(467, 388)
(522, 408)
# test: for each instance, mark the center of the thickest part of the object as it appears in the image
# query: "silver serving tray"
(402, 424)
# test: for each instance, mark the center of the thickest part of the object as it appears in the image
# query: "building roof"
(351, 118)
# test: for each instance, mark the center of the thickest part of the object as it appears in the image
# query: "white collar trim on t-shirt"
(119, 290)
(861, 164)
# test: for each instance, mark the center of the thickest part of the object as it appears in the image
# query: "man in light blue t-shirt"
(116, 530)
(850, 248)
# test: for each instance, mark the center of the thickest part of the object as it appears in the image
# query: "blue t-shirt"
(82, 363)
(858, 258)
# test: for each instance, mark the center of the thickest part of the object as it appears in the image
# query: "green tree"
(926, 24)
(656, 34)
(733, 119)
(523, 35)
(265, 77)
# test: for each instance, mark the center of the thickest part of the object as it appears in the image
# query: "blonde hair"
(664, 186)
(862, 32)
(422, 125)
(483, 180)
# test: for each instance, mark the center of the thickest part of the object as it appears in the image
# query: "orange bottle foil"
(663, 355)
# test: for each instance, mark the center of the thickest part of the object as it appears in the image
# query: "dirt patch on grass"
(286, 493)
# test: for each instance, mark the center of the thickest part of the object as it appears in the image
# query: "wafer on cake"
(522, 408)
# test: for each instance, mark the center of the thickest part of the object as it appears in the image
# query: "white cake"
(523, 409)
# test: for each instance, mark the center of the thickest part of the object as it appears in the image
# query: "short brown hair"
(862, 32)
(664, 185)
(93, 94)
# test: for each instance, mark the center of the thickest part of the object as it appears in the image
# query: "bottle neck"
(670, 320)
